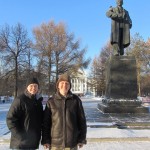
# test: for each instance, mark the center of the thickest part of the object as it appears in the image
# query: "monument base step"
(121, 109)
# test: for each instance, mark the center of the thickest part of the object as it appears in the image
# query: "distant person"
(24, 118)
(64, 125)
(120, 27)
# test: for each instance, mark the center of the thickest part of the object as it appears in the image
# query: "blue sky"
(86, 18)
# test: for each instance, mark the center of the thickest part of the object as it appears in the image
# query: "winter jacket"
(64, 122)
(24, 119)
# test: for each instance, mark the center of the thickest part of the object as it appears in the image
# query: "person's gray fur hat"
(63, 77)
(32, 80)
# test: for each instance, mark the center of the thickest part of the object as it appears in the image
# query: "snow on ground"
(116, 133)
(3, 112)
(118, 139)
(91, 98)
(98, 138)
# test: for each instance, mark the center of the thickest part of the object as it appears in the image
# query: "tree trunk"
(16, 77)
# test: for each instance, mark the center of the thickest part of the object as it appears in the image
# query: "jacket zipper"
(64, 122)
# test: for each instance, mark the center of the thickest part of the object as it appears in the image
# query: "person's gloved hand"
(46, 146)
(80, 145)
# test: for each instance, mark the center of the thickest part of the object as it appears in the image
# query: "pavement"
(105, 143)
(109, 131)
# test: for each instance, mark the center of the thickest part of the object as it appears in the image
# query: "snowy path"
(3, 112)
(102, 132)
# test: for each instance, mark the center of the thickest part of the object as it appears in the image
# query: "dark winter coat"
(24, 120)
(124, 21)
(64, 121)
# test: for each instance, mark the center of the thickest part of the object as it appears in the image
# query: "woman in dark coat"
(24, 118)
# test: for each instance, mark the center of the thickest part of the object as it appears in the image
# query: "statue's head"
(119, 2)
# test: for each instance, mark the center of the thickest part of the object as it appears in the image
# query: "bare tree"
(98, 68)
(58, 51)
(44, 44)
(140, 49)
(69, 56)
(14, 43)
(145, 85)
(147, 55)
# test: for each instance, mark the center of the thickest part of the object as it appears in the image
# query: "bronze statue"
(120, 27)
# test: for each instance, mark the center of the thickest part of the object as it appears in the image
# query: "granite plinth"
(121, 78)
(122, 107)
(121, 87)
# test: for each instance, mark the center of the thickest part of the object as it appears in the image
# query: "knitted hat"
(32, 80)
(64, 77)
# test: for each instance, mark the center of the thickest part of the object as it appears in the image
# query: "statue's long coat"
(115, 24)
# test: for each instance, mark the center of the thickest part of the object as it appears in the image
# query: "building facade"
(80, 84)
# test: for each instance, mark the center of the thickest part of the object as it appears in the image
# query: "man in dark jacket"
(64, 125)
(24, 118)
(120, 27)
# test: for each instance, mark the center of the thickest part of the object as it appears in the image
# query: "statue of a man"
(120, 27)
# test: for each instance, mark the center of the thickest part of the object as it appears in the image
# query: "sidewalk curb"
(93, 140)
(4, 141)
(129, 139)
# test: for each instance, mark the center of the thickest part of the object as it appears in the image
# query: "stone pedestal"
(121, 87)
(121, 78)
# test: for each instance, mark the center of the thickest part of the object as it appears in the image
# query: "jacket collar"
(60, 97)
(29, 95)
